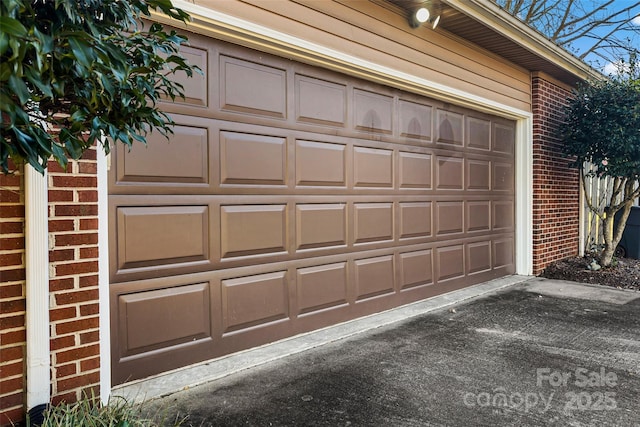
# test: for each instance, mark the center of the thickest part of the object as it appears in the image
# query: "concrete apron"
(191, 376)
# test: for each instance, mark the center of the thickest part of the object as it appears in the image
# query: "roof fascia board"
(519, 32)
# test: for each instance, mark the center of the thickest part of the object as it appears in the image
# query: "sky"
(609, 67)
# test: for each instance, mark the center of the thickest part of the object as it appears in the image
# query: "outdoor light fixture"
(435, 21)
(422, 15)
(428, 12)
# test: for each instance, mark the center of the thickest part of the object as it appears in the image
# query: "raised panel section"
(450, 127)
(502, 253)
(374, 276)
(478, 257)
(478, 175)
(182, 159)
(196, 86)
(161, 318)
(373, 222)
(320, 101)
(161, 235)
(415, 170)
(319, 163)
(503, 138)
(478, 216)
(450, 262)
(449, 217)
(321, 287)
(503, 215)
(478, 133)
(252, 229)
(252, 88)
(415, 219)
(320, 225)
(449, 173)
(373, 112)
(416, 268)
(415, 120)
(252, 159)
(502, 176)
(372, 167)
(254, 300)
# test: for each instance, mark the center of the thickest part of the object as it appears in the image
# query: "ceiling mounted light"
(422, 15)
(430, 13)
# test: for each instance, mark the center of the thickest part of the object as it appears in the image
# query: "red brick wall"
(73, 281)
(556, 190)
(73, 286)
(12, 298)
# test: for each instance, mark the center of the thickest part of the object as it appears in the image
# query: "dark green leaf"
(19, 88)
(12, 26)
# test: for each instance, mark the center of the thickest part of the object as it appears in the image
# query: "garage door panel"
(162, 160)
(503, 137)
(415, 120)
(373, 222)
(372, 167)
(415, 219)
(252, 88)
(195, 88)
(416, 268)
(449, 173)
(478, 216)
(503, 253)
(252, 229)
(478, 175)
(319, 225)
(478, 133)
(450, 127)
(161, 235)
(320, 101)
(449, 218)
(373, 111)
(503, 176)
(503, 215)
(450, 262)
(478, 257)
(251, 301)
(163, 318)
(374, 277)
(320, 164)
(321, 287)
(252, 159)
(415, 170)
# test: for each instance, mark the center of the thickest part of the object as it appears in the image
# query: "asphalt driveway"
(539, 353)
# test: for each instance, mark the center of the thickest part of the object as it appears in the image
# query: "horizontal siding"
(369, 31)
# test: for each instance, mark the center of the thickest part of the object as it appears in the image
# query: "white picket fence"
(598, 189)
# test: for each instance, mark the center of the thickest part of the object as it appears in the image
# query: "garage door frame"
(224, 27)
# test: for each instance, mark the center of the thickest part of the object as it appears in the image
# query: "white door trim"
(103, 274)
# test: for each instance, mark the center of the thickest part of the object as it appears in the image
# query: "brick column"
(73, 269)
(12, 299)
(556, 188)
(73, 286)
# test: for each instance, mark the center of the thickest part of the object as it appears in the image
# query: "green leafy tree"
(602, 130)
(73, 71)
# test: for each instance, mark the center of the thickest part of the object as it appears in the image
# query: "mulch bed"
(625, 275)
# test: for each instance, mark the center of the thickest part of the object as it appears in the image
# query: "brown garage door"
(292, 198)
